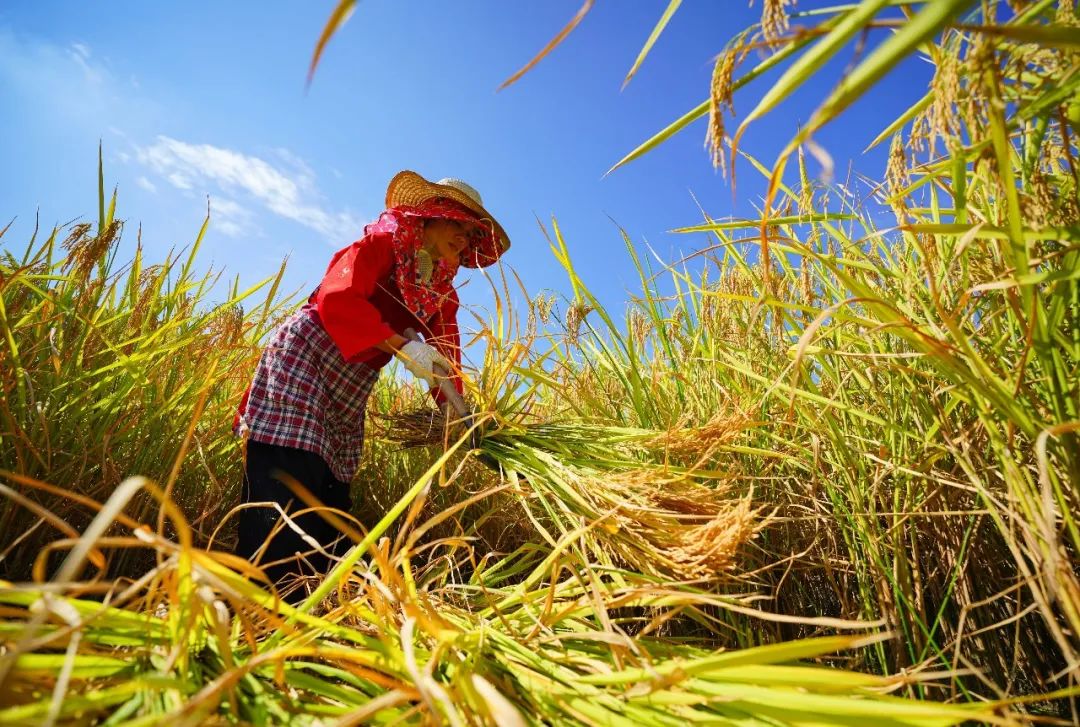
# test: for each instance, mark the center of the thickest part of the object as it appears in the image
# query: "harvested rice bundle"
(700, 443)
(606, 481)
(671, 527)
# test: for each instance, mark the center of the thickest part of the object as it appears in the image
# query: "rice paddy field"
(824, 471)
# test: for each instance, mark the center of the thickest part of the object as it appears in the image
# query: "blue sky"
(199, 99)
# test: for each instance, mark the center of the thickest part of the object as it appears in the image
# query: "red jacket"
(360, 306)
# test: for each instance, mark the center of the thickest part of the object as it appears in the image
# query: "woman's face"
(447, 239)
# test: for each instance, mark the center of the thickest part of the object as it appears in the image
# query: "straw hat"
(409, 188)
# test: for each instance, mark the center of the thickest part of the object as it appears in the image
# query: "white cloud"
(67, 80)
(75, 84)
(229, 228)
(178, 180)
(231, 218)
(80, 53)
(290, 193)
(302, 171)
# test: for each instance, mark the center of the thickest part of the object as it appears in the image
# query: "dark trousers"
(264, 482)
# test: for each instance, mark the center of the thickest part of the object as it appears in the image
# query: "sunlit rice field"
(825, 470)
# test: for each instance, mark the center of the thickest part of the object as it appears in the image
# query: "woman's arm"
(343, 298)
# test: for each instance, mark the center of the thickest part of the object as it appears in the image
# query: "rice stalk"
(384, 651)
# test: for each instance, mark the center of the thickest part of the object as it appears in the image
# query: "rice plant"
(424, 620)
(528, 638)
(110, 369)
(821, 471)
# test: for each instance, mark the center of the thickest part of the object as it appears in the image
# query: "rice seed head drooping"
(720, 97)
(575, 316)
(85, 250)
(640, 327)
(679, 528)
(543, 305)
(939, 121)
(897, 177)
(774, 18)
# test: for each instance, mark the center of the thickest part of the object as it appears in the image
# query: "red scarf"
(406, 224)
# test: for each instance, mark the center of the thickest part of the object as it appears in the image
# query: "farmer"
(303, 414)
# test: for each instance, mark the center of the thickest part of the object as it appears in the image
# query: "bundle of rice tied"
(617, 486)
(681, 527)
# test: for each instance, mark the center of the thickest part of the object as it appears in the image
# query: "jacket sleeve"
(343, 299)
(446, 338)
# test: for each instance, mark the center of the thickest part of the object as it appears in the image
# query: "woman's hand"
(420, 360)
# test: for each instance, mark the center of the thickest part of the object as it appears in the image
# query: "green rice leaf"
(672, 6)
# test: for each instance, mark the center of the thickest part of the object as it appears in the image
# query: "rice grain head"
(897, 177)
(774, 18)
(1066, 13)
(664, 523)
(940, 120)
(701, 442)
(543, 305)
(85, 251)
(720, 97)
(226, 327)
(640, 327)
(575, 316)
(1039, 202)
(806, 286)
(147, 291)
(711, 550)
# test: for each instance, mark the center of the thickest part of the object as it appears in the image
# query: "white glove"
(421, 359)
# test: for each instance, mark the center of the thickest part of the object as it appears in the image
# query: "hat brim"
(408, 188)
